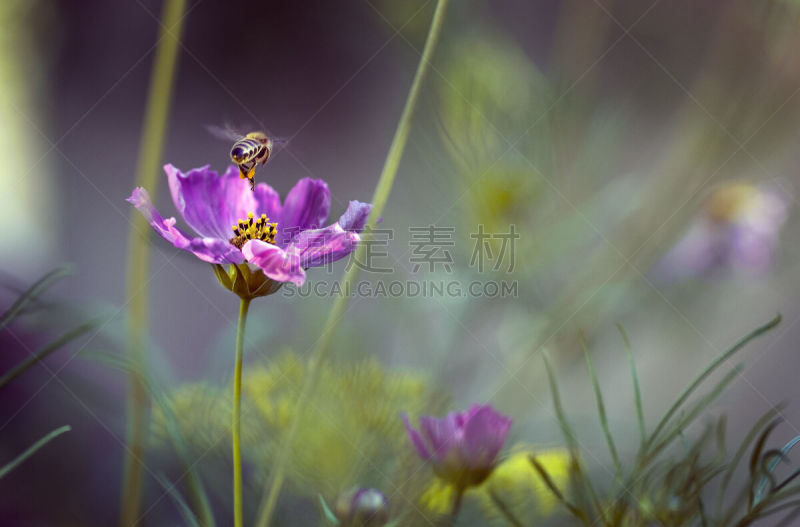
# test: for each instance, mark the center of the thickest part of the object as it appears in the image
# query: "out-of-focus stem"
(237, 414)
(382, 190)
(152, 143)
(456, 508)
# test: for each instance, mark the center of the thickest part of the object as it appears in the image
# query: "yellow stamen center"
(251, 229)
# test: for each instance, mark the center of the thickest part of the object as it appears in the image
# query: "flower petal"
(416, 440)
(276, 263)
(484, 435)
(306, 207)
(268, 202)
(318, 247)
(442, 434)
(211, 204)
(211, 250)
(214, 250)
(355, 217)
(166, 228)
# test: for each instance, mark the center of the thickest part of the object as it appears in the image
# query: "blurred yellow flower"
(438, 497)
(514, 481)
(517, 483)
(351, 432)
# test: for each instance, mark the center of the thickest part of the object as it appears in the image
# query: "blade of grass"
(553, 488)
(504, 510)
(744, 497)
(37, 356)
(755, 464)
(137, 267)
(569, 435)
(693, 413)
(381, 195)
(706, 372)
(774, 464)
(183, 507)
(31, 293)
(32, 450)
(566, 429)
(327, 512)
(601, 411)
(762, 513)
(762, 422)
(693, 452)
(637, 394)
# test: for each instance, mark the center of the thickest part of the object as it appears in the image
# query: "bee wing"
(226, 133)
(278, 144)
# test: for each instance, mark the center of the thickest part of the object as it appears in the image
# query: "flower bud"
(362, 507)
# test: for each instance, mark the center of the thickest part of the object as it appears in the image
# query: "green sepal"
(245, 282)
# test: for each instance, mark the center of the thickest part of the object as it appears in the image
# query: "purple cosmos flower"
(738, 229)
(234, 225)
(462, 447)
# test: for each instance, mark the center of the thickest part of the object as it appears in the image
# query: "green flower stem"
(152, 144)
(237, 415)
(456, 508)
(382, 190)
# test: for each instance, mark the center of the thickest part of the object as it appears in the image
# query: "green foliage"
(667, 488)
(25, 299)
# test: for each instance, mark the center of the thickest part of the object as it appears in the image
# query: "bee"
(248, 150)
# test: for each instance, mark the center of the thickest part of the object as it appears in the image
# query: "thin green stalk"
(504, 510)
(550, 484)
(456, 508)
(31, 293)
(705, 373)
(39, 355)
(382, 190)
(601, 412)
(569, 436)
(152, 144)
(186, 512)
(31, 450)
(637, 393)
(236, 425)
(766, 421)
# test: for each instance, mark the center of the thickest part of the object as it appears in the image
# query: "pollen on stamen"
(253, 229)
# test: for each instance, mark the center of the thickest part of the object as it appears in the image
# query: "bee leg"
(246, 170)
(251, 176)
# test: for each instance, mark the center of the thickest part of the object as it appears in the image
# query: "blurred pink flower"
(462, 447)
